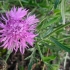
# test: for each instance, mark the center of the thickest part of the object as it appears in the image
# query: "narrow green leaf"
(63, 11)
(32, 60)
(27, 57)
(49, 58)
(52, 21)
(48, 31)
(51, 47)
(49, 66)
(56, 3)
(8, 54)
(55, 66)
(56, 42)
(57, 29)
(41, 22)
(30, 64)
(20, 67)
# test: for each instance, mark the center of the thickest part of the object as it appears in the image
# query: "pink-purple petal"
(18, 32)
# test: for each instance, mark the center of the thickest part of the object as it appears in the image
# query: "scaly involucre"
(18, 30)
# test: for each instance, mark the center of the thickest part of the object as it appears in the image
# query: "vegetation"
(52, 45)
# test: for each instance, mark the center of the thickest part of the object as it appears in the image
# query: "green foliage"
(21, 67)
(49, 58)
(54, 40)
(32, 60)
(53, 31)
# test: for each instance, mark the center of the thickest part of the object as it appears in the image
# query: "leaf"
(27, 57)
(55, 66)
(57, 29)
(8, 54)
(41, 22)
(51, 47)
(32, 60)
(20, 67)
(56, 3)
(24, 1)
(48, 58)
(63, 11)
(49, 66)
(48, 31)
(52, 21)
(30, 64)
(57, 43)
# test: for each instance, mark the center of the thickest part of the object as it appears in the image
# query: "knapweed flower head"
(18, 30)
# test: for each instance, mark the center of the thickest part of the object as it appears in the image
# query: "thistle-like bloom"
(18, 30)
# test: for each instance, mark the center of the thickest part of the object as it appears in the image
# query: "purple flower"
(18, 30)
